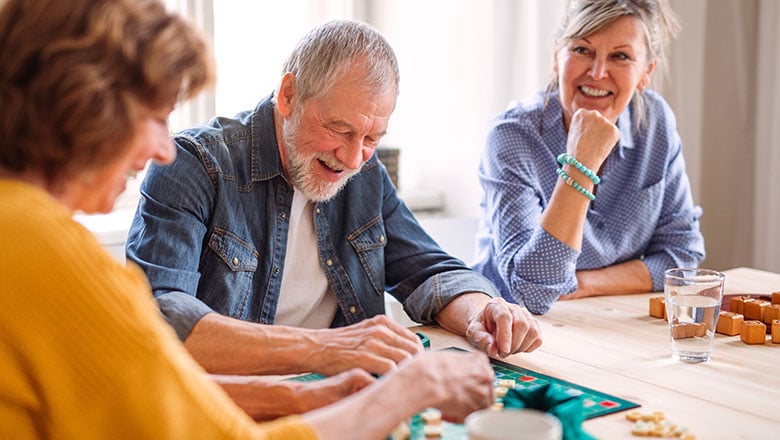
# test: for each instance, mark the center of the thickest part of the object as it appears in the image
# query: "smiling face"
(97, 191)
(326, 141)
(603, 70)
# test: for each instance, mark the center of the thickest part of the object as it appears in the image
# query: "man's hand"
(376, 345)
(491, 324)
(456, 383)
(501, 328)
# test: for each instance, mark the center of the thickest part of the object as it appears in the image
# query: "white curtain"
(723, 88)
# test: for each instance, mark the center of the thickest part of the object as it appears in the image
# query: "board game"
(595, 403)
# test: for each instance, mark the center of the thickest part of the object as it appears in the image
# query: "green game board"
(595, 403)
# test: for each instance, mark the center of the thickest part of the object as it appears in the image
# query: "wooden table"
(611, 344)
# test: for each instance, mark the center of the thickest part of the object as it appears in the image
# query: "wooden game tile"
(737, 304)
(679, 330)
(775, 297)
(771, 313)
(657, 307)
(776, 331)
(682, 330)
(753, 332)
(755, 308)
(729, 323)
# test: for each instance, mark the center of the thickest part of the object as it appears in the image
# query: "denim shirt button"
(381, 238)
(235, 261)
(276, 270)
(282, 216)
(318, 210)
(329, 262)
(352, 309)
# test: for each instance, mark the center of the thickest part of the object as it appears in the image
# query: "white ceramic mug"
(513, 424)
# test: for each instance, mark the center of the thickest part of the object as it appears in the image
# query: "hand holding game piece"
(502, 329)
(455, 383)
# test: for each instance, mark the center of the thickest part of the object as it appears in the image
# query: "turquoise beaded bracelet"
(573, 183)
(565, 158)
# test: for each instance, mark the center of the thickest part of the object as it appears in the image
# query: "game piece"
(657, 307)
(684, 330)
(401, 432)
(729, 323)
(433, 431)
(500, 391)
(776, 331)
(656, 425)
(775, 297)
(771, 313)
(431, 416)
(633, 415)
(737, 305)
(506, 383)
(753, 332)
(697, 329)
(754, 309)
(498, 406)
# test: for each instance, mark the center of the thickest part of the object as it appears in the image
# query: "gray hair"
(584, 17)
(322, 56)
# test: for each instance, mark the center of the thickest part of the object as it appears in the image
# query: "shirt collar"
(266, 161)
(625, 127)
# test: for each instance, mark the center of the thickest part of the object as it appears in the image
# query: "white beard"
(299, 165)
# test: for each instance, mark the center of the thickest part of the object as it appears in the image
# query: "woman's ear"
(648, 75)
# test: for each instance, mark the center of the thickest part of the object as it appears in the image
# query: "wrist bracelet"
(565, 158)
(573, 183)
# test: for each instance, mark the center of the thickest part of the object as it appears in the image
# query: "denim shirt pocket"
(369, 242)
(239, 263)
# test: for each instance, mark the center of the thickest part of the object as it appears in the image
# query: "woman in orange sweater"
(86, 88)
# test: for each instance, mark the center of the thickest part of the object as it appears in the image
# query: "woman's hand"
(591, 138)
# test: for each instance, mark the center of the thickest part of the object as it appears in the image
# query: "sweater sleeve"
(84, 352)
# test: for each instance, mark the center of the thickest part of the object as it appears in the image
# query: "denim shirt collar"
(266, 161)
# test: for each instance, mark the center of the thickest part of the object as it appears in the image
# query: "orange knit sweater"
(84, 352)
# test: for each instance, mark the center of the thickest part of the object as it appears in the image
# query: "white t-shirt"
(305, 299)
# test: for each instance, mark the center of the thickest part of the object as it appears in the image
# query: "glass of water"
(693, 298)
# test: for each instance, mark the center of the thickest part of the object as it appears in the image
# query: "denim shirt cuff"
(182, 311)
(436, 292)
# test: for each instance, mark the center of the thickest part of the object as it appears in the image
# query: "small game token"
(506, 383)
(433, 430)
(431, 416)
(633, 416)
(500, 391)
(401, 432)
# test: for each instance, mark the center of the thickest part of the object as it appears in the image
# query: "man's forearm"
(224, 345)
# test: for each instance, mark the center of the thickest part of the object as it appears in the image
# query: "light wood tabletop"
(611, 344)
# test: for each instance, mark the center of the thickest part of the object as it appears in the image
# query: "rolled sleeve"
(182, 311)
(545, 268)
(435, 293)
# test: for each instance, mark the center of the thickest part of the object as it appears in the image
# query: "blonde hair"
(584, 17)
(78, 75)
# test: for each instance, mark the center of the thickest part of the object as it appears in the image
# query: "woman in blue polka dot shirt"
(584, 186)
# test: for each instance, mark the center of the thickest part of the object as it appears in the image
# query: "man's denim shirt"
(211, 231)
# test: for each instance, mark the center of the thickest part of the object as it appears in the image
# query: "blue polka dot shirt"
(643, 208)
